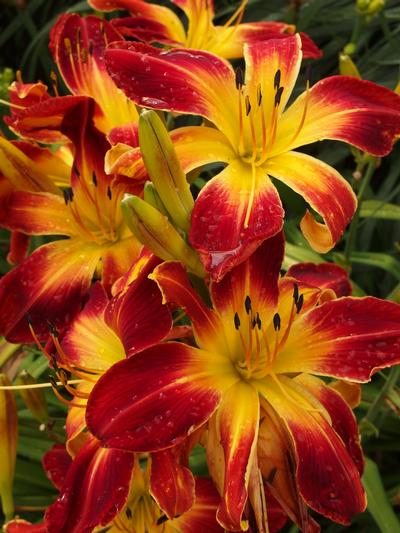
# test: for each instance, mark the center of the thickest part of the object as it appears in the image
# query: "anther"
(239, 80)
(299, 303)
(247, 304)
(128, 513)
(271, 475)
(67, 43)
(295, 293)
(162, 519)
(109, 193)
(248, 105)
(91, 47)
(63, 376)
(236, 320)
(53, 382)
(68, 194)
(259, 95)
(277, 79)
(75, 171)
(259, 323)
(277, 322)
(94, 179)
(253, 323)
(278, 96)
(52, 329)
(28, 318)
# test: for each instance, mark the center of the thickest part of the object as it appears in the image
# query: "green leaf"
(378, 504)
(378, 209)
(299, 254)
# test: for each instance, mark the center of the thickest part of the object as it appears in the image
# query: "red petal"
(164, 394)
(326, 475)
(56, 463)
(145, 15)
(348, 338)
(176, 288)
(89, 342)
(323, 276)
(138, 316)
(251, 278)
(36, 214)
(347, 109)
(78, 45)
(232, 215)
(324, 189)
(343, 419)
(97, 484)
(41, 122)
(187, 81)
(201, 517)
(22, 526)
(49, 285)
(238, 419)
(19, 246)
(172, 483)
(277, 464)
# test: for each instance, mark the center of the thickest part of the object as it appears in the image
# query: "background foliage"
(370, 249)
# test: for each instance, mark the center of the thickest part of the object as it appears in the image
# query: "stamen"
(109, 193)
(238, 14)
(303, 115)
(38, 385)
(9, 104)
(236, 320)
(277, 79)
(295, 292)
(247, 304)
(247, 105)
(252, 193)
(53, 77)
(278, 96)
(259, 95)
(70, 403)
(277, 322)
(239, 79)
(94, 178)
(299, 303)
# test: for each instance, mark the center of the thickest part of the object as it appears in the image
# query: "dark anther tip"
(247, 304)
(277, 322)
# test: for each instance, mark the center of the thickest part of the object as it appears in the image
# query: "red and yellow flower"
(51, 283)
(257, 137)
(252, 376)
(154, 23)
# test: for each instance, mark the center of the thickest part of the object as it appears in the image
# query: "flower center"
(261, 341)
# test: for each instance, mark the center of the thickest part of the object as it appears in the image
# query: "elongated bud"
(369, 7)
(162, 164)
(8, 446)
(155, 231)
(347, 67)
(151, 196)
(34, 399)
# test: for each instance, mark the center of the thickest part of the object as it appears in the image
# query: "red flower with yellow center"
(51, 282)
(256, 137)
(252, 372)
(154, 23)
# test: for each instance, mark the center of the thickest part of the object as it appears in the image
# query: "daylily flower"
(256, 137)
(51, 282)
(252, 376)
(78, 45)
(154, 23)
(135, 510)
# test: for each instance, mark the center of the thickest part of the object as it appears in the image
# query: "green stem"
(351, 239)
(389, 384)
